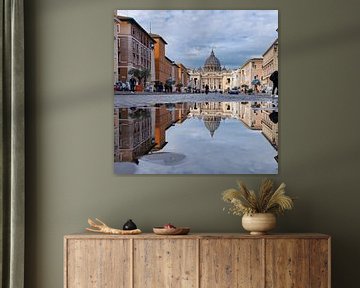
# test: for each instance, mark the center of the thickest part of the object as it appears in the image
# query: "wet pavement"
(143, 99)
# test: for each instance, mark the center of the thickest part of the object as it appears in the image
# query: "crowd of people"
(159, 87)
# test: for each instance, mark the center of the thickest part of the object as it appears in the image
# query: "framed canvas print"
(196, 91)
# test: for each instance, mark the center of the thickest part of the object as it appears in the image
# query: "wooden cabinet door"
(98, 263)
(320, 263)
(287, 263)
(231, 263)
(297, 263)
(165, 263)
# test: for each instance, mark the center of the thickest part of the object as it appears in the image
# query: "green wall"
(69, 139)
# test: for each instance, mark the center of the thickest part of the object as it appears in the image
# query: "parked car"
(233, 91)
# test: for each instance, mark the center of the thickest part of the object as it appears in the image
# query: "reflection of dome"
(212, 123)
(212, 63)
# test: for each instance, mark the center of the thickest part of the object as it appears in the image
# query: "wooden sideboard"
(197, 261)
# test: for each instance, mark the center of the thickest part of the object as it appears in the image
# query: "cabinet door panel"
(231, 263)
(98, 264)
(166, 263)
(287, 263)
(319, 263)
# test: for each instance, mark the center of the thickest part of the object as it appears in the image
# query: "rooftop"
(133, 21)
(250, 60)
(171, 61)
(158, 37)
(276, 42)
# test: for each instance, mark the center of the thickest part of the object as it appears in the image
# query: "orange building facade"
(162, 65)
(165, 68)
(175, 73)
(183, 75)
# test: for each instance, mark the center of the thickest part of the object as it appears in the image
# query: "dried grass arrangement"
(246, 202)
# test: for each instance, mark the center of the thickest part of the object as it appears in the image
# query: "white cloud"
(235, 35)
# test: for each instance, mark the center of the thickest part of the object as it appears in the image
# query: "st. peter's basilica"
(218, 78)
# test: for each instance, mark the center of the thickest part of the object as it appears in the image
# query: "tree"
(178, 86)
(145, 73)
(140, 74)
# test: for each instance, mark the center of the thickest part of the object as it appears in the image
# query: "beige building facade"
(251, 70)
(270, 63)
(235, 82)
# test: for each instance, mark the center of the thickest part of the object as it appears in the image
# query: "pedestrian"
(256, 82)
(274, 77)
(132, 84)
(206, 89)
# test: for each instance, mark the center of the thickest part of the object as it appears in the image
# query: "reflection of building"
(270, 63)
(133, 133)
(223, 109)
(212, 123)
(251, 70)
(137, 131)
(255, 115)
(270, 128)
(116, 135)
(250, 115)
(163, 120)
(165, 116)
(211, 113)
(181, 112)
(211, 74)
(133, 46)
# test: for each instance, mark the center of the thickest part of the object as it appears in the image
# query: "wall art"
(196, 91)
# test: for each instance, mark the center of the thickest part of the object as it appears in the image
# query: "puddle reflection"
(197, 138)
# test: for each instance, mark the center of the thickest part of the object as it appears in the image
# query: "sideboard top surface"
(87, 235)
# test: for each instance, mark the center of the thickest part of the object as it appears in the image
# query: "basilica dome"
(212, 63)
(212, 123)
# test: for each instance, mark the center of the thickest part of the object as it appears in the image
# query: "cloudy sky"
(235, 35)
(234, 149)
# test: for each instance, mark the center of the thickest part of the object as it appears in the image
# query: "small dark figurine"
(129, 225)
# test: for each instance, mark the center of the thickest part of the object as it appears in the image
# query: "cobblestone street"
(128, 100)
